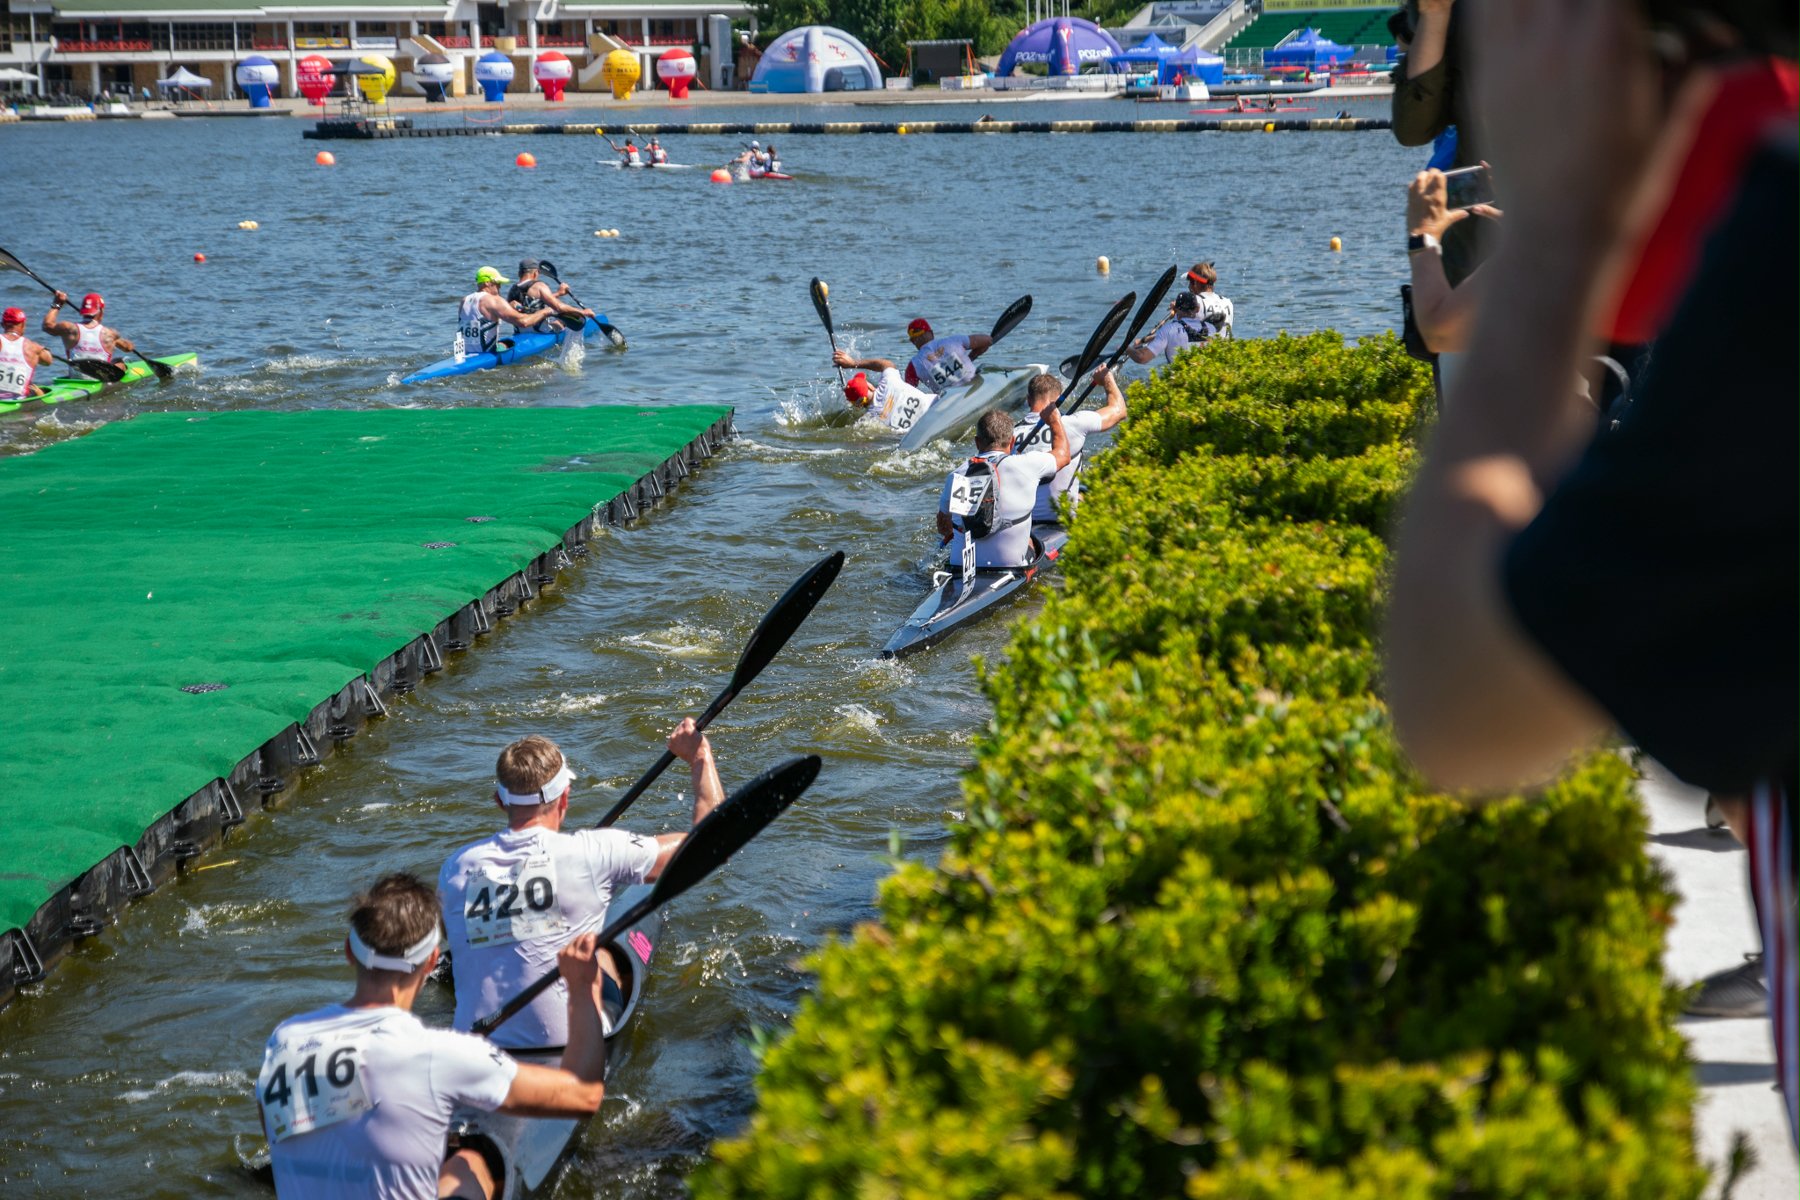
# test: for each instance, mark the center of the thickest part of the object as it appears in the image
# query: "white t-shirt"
(1181, 333)
(511, 901)
(943, 364)
(897, 403)
(357, 1101)
(1078, 427)
(1018, 476)
(16, 366)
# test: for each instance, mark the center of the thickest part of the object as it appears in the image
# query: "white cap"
(548, 794)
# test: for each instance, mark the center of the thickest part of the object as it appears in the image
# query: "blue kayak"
(514, 349)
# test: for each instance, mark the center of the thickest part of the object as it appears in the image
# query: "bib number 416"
(304, 1092)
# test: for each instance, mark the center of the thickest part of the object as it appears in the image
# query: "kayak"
(770, 175)
(613, 162)
(1256, 112)
(526, 1154)
(951, 605)
(514, 349)
(957, 410)
(83, 387)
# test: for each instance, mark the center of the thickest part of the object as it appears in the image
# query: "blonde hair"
(528, 764)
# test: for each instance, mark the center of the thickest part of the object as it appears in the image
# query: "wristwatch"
(1422, 241)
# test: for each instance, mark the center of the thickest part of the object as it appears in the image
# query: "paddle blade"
(822, 303)
(9, 262)
(162, 370)
(723, 831)
(1152, 302)
(780, 622)
(1067, 367)
(1015, 313)
(105, 372)
(613, 335)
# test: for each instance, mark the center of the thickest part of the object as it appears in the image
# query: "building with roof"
(86, 47)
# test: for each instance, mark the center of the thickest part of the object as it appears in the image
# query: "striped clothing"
(1772, 863)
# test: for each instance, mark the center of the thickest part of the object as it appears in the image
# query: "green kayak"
(80, 387)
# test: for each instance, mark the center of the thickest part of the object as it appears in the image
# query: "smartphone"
(1468, 187)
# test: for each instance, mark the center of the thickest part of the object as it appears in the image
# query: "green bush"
(1203, 933)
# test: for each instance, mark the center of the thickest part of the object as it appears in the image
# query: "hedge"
(1203, 932)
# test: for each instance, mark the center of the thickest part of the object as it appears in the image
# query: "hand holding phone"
(1468, 187)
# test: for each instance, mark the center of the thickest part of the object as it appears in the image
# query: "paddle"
(772, 633)
(1015, 313)
(822, 305)
(1090, 354)
(708, 844)
(93, 368)
(546, 267)
(9, 261)
(1152, 301)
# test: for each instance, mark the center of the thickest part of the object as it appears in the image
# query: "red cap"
(918, 325)
(92, 303)
(857, 389)
(13, 316)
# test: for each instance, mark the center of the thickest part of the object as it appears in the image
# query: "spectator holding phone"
(1550, 586)
(1428, 103)
(1445, 314)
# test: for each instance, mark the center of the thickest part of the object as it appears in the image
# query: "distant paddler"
(20, 357)
(987, 502)
(478, 319)
(658, 156)
(629, 154)
(90, 340)
(356, 1098)
(511, 900)
(532, 294)
(1184, 329)
(942, 363)
(890, 400)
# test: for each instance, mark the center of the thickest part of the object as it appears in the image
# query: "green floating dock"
(202, 605)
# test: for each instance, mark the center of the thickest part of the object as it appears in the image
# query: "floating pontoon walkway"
(1250, 123)
(203, 605)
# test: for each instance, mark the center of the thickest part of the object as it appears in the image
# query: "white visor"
(412, 960)
(548, 794)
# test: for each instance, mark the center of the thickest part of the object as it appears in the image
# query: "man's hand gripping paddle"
(743, 815)
(548, 268)
(9, 262)
(772, 633)
(1152, 301)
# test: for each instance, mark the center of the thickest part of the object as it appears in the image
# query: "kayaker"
(772, 160)
(631, 155)
(531, 294)
(1215, 310)
(511, 900)
(759, 162)
(942, 363)
(1040, 395)
(1000, 527)
(478, 319)
(891, 400)
(20, 357)
(356, 1098)
(1183, 330)
(658, 156)
(91, 339)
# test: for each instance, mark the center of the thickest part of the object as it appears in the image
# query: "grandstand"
(1346, 26)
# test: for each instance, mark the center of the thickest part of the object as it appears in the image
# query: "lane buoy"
(325, 158)
(198, 257)
(721, 175)
(1269, 128)
(248, 225)
(526, 159)
(1337, 244)
(901, 130)
(1103, 265)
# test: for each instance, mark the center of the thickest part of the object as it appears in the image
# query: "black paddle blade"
(1152, 302)
(93, 368)
(10, 262)
(162, 370)
(723, 831)
(822, 303)
(1096, 343)
(613, 335)
(780, 622)
(1015, 313)
(1067, 367)
(719, 835)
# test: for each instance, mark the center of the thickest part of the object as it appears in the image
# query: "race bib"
(968, 557)
(900, 415)
(14, 378)
(1038, 439)
(313, 1083)
(966, 493)
(505, 907)
(946, 371)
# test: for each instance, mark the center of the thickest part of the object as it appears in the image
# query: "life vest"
(476, 332)
(975, 499)
(16, 369)
(631, 155)
(520, 296)
(90, 342)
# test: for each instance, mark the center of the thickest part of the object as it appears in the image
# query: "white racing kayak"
(956, 411)
(613, 162)
(955, 602)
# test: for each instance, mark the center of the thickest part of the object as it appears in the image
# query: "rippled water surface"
(127, 1073)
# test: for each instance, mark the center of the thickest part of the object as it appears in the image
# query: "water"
(128, 1071)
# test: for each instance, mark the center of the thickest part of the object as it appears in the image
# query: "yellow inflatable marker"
(620, 71)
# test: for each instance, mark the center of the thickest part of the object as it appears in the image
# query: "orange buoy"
(1337, 245)
(325, 158)
(526, 159)
(199, 258)
(721, 175)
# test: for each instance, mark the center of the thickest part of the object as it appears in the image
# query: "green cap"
(490, 275)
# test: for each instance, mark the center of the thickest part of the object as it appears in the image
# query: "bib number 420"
(512, 908)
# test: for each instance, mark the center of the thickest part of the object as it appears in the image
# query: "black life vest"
(977, 489)
(520, 297)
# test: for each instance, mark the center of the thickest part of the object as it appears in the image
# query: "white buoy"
(1103, 265)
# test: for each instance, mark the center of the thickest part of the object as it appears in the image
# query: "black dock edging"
(84, 907)
(1248, 123)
